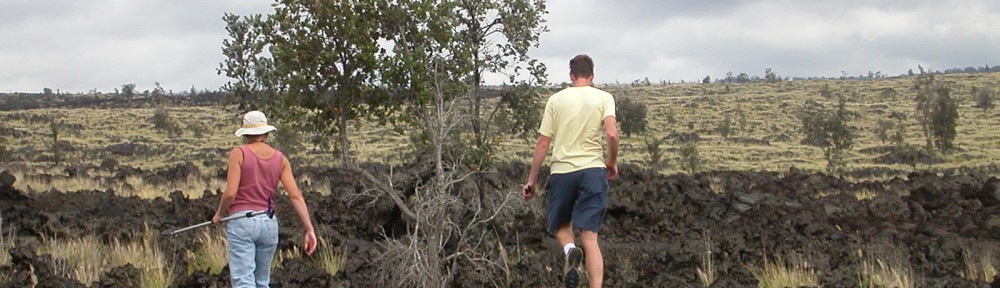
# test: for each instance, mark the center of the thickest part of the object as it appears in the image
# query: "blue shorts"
(579, 197)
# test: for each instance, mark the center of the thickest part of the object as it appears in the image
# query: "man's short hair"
(581, 66)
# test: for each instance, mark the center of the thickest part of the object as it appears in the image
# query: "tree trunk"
(345, 144)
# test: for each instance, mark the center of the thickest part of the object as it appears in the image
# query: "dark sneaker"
(573, 270)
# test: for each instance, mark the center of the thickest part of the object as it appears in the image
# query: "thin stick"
(230, 217)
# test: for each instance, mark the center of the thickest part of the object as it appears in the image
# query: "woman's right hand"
(309, 243)
(216, 219)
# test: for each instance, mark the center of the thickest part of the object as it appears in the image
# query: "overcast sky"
(83, 45)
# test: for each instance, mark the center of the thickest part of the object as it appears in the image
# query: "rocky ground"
(657, 232)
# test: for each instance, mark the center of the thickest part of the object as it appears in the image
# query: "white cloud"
(88, 44)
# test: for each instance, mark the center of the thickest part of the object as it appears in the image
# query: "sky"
(85, 45)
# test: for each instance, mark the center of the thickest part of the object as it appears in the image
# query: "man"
(578, 186)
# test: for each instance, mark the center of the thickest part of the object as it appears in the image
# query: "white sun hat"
(254, 123)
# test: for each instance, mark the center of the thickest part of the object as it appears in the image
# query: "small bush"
(163, 122)
(779, 274)
(82, 258)
(655, 152)
(980, 262)
(691, 158)
(984, 98)
(210, 254)
(725, 127)
(145, 254)
(56, 127)
(330, 258)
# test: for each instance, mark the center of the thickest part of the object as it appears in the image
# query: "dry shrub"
(210, 254)
(887, 271)
(330, 258)
(145, 254)
(83, 258)
(980, 262)
(779, 274)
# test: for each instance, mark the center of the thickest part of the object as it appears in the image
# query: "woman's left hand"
(309, 243)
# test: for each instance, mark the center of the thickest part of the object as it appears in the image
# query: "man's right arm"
(611, 131)
(541, 150)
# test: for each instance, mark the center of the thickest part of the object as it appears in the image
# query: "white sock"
(567, 247)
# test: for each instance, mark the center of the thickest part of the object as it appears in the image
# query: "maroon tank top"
(258, 181)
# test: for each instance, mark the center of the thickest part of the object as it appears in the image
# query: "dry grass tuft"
(707, 271)
(891, 272)
(980, 262)
(83, 259)
(863, 194)
(6, 242)
(279, 257)
(144, 254)
(780, 274)
(330, 258)
(210, 254)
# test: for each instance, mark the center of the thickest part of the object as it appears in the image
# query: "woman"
(254, 172)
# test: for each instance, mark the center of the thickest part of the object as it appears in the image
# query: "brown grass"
(779, 274)
(145, 254)
(330, 258)
(83, 259)
(86, 258)
(210, 254)
(980, 262)
(770, 111)
(889, 271)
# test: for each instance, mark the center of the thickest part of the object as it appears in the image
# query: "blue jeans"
(252, 242)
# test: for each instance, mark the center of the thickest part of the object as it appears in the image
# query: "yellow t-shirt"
(573, 119)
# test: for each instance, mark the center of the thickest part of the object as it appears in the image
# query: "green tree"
(324, 58)
(158, 93)
(436, 67)
(944, 119)
(493, 37)
(830, 131)
(691, 158)
(937, 112)
(655, 152)
(770, 76)
(245, 62)
(631, 114)
(128, 90)
(924, 85)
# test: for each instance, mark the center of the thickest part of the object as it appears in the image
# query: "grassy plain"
(765, 119)
(766, 137)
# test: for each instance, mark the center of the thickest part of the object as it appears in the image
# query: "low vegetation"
(981, 262)
(779, 274)
(86, 258)
(209, 255)
(889, 271)
(329, 257)
(145, 254)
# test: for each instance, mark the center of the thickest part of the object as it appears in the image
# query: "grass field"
(766, 137)
(764, 115)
